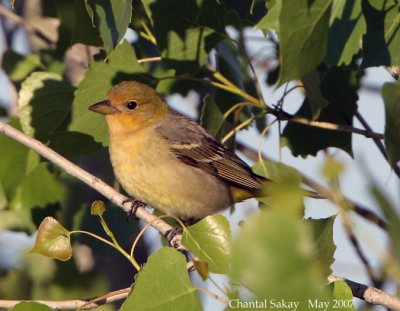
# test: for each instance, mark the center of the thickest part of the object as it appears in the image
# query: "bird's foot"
(170, 236)
(135, 204)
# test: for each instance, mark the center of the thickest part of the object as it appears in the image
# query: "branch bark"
(370, 294)
(89, 179)
(74, 304)
(285, 116)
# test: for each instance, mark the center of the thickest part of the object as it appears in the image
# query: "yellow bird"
(167, 160)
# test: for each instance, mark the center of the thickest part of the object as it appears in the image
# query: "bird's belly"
(166, 183)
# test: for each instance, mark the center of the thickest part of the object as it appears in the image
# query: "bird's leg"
(171, 234)
(135, 204)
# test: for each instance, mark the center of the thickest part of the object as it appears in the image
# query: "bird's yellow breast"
(148, 170)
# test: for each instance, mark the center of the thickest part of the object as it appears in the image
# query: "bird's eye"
(132, 105)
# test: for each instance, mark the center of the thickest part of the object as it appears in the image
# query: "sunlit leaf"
(111, 18)
(30, 306)
(271, 20)
(343, 296)
(273, 248)
(44, 103)
(277, 171)
(345, 32)
(302, 23)
(381, 43)
(185, 31)
(210, 241)
(53, 240)
(153, 288)
(18, 66)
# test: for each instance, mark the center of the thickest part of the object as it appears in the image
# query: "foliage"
(321, 47)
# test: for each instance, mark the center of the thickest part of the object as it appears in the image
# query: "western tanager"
(167, 160)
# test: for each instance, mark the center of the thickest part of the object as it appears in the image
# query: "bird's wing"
(196, 147)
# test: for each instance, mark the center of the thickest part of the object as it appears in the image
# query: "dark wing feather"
(196, 147)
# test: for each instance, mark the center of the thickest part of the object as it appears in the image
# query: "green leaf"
(273, 248)
(97, 208)
(44, 103)
(210, 241)
(84, 29)
(278, 172)
(345, 32)
(53, 240)
(71, 143)
(3, 198)
(153, 288)
(212, 118)
(381, 43)
(201, 268)
(391, 97)
(18, 66)
(332, 168)
(323, 236)
(341, 109)
(271, 19)
(121, 65)
(13, 159)
(30, 306)
(391, 213)
(303, 33)
(38, 188)
(343, 296)
(112, 19)
(185, 31)
(284, 193)
(313, 92)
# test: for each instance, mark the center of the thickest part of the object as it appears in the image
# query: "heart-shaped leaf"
(53, 240)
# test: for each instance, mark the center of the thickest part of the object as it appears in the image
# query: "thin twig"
(322, 190)
(394, 71)
(149, 59)
(18, 20)
(285, 116)
(89, 179)
(85, 304)
(377, 142)
(11, 16)
(212, 295)
(370, 294)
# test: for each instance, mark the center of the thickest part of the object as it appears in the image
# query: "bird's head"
(131, 105)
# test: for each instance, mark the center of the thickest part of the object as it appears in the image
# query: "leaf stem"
(212, 295)
(116, 246)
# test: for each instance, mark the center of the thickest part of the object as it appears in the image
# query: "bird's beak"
(103, 107)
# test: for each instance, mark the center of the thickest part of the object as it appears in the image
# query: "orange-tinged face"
(131, 105)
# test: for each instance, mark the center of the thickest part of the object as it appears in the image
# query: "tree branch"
(89, 179)
(370, 294)
(84, 304)
(18, 20)
(322, 190)
(285, 116)
(377, 142)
